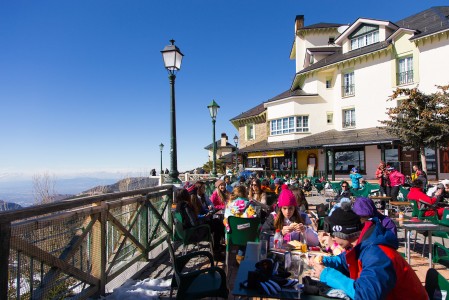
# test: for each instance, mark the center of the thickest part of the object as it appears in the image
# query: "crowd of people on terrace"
(364, 261)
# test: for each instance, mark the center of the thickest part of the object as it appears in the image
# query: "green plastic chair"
(185, 235)
(440, 254)
(199, 283)
(436, 284)
(241, 231)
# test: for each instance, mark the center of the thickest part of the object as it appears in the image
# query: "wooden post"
(5, 236)
(98, 249)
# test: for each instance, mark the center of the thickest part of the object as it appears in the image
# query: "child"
(370, 268)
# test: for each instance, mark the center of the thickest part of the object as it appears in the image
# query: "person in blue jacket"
(355, 178)
(371, 268)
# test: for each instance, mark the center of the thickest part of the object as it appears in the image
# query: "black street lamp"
(161, 146)
(236, 141)
(172, 60)
(213, 109)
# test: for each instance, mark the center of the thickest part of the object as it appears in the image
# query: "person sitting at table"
(366, 210)
(256, 193)
(371, 268)
(293, 224)
(205, 212)
(265, 186)
(239, 206)
(301, 200)
(424, 201)
(220, 196)
(344, 192)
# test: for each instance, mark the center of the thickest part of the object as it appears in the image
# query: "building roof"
(321, 25)
(249, 113)
(218, 145)
(289, 93)
(337, 57)
(329, 139)
(427, 22)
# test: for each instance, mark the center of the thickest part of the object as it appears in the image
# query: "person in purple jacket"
(365, 208)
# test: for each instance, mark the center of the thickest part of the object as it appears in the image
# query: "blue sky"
(83, 87)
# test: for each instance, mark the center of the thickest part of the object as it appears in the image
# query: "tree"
(43, 188)
(420, 120)
(219, 165)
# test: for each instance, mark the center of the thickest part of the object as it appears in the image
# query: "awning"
(265, 154)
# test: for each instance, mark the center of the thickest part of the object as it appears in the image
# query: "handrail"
(76, 247)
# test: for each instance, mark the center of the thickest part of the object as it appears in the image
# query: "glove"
(259, 280)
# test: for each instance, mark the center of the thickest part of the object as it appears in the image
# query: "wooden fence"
(72, 249)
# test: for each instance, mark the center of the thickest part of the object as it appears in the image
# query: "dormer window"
(364, 36)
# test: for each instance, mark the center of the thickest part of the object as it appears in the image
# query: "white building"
(345, 75)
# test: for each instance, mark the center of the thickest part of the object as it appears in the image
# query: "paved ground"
(161, 267)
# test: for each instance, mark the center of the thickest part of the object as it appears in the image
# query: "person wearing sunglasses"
(256, 192)
(344, 192)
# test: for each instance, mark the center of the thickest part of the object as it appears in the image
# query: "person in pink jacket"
(220, 196)
(396, 180)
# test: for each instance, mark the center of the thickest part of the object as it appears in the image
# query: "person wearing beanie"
(293, 224)
(371, 268)
(365, 208)
(277, 186)
(220, 196)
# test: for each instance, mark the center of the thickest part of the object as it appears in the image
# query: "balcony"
(348, 90)
(404, 77)
(348, 124)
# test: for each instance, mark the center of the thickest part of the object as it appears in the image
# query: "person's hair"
(252, 194)
(199, 184)
(344, 182)
(417, 183)
(182, 196)
(195, 203)
(300, 197)
(238, 191)
(279, 220)
(265, 182)
(222, 195)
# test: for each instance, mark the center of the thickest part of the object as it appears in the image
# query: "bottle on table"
(278, 239)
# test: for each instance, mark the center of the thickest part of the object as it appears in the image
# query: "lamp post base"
(173, 178)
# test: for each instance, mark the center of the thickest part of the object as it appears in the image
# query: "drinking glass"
(263, 249)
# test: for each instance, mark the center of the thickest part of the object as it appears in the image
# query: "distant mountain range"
(19, 194)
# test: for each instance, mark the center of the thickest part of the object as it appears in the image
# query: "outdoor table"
(248, 264)
(421, 226)
(376, 199)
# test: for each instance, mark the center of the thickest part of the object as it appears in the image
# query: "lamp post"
(172, 61)
(213, 109)
(236, 141)
(161, 146)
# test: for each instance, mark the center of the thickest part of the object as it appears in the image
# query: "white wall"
(372, 160)
(433, 60)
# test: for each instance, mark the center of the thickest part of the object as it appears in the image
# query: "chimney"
(299, 22)
(224, 139)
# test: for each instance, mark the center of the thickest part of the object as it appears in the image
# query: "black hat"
(344, 223)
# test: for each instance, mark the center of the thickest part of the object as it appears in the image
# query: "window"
(250, 132)
(330, 118)
(349, 118)
(311, 59)
(251, 163)
(329, 83)
(302, 124)
(430, 159)
(346, 159)
(365, 40)
(348, 88)
(275, 163)
(289, 125)
(405, 67)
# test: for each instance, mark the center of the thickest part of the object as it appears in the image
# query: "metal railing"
(72, 249)
(404, 77)
(348, 124)
(348, 90)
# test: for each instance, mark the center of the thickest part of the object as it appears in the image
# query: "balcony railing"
(349, 124)
(348, 90)
(405, 77)
(82, 248)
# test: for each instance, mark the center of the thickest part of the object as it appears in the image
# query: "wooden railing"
(75, 248)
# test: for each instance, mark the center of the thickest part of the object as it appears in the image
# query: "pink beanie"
(286, 198)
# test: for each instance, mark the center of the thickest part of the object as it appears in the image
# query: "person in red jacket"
(417, 193)
(396, 179)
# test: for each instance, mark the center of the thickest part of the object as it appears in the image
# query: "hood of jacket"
(378, 235)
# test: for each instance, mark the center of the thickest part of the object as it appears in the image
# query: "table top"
(380, 197)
